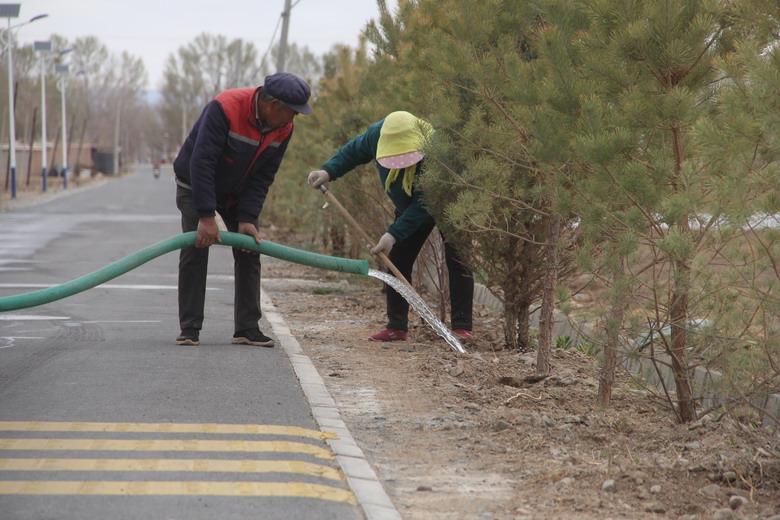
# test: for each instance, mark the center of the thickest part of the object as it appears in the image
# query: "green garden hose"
(109, 272)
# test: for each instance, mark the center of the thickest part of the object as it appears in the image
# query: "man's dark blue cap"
(290, 89)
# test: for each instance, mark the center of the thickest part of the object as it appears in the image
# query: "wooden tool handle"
(331, 198)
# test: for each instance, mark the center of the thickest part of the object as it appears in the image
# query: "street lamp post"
(62, 70)
(12, 11)
(43, 47)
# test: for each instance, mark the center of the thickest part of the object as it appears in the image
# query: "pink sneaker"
(463, 333)
(389, 335)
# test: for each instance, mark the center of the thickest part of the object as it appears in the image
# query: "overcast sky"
(153, 29)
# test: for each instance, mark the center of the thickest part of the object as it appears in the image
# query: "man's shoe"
(188, 337)
(252, 337)
(462, 333)
(390, 335)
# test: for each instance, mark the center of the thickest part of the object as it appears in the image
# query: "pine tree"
(493, 176)
(341, 114)
(645, 201)
(741, 145)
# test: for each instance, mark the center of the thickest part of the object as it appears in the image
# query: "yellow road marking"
(205, 465)
(247, 489)
(249, 429)
(164, 445)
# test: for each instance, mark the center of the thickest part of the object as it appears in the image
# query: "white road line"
(30, 317)
(12, 340)
(113, 321)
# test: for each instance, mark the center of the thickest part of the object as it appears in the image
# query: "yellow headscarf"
(402, 133)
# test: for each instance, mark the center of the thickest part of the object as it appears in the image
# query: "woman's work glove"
(384, 245)
(317, 178)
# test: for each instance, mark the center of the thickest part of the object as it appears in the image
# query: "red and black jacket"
(227, 160)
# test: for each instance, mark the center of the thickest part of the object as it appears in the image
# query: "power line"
(273, 36)
(271, 44)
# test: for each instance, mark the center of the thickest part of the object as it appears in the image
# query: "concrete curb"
(361, 478)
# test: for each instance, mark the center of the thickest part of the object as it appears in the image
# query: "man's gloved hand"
(317, 178)
(384, 245)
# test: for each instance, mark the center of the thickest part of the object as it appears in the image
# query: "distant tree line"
(104, 98)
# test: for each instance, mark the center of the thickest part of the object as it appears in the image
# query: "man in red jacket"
(226, 165)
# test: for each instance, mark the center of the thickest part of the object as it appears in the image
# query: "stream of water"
(420, 307)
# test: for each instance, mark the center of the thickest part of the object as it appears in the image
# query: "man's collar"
(256, 121)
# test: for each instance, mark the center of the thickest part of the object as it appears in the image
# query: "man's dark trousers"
(193, 269)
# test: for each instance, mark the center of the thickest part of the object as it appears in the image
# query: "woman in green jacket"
(395, 144)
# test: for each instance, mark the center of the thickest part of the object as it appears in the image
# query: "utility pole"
(280, 62)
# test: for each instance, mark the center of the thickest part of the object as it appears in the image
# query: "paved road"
(103, 416)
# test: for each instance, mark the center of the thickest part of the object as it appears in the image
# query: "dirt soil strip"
(471, 436)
